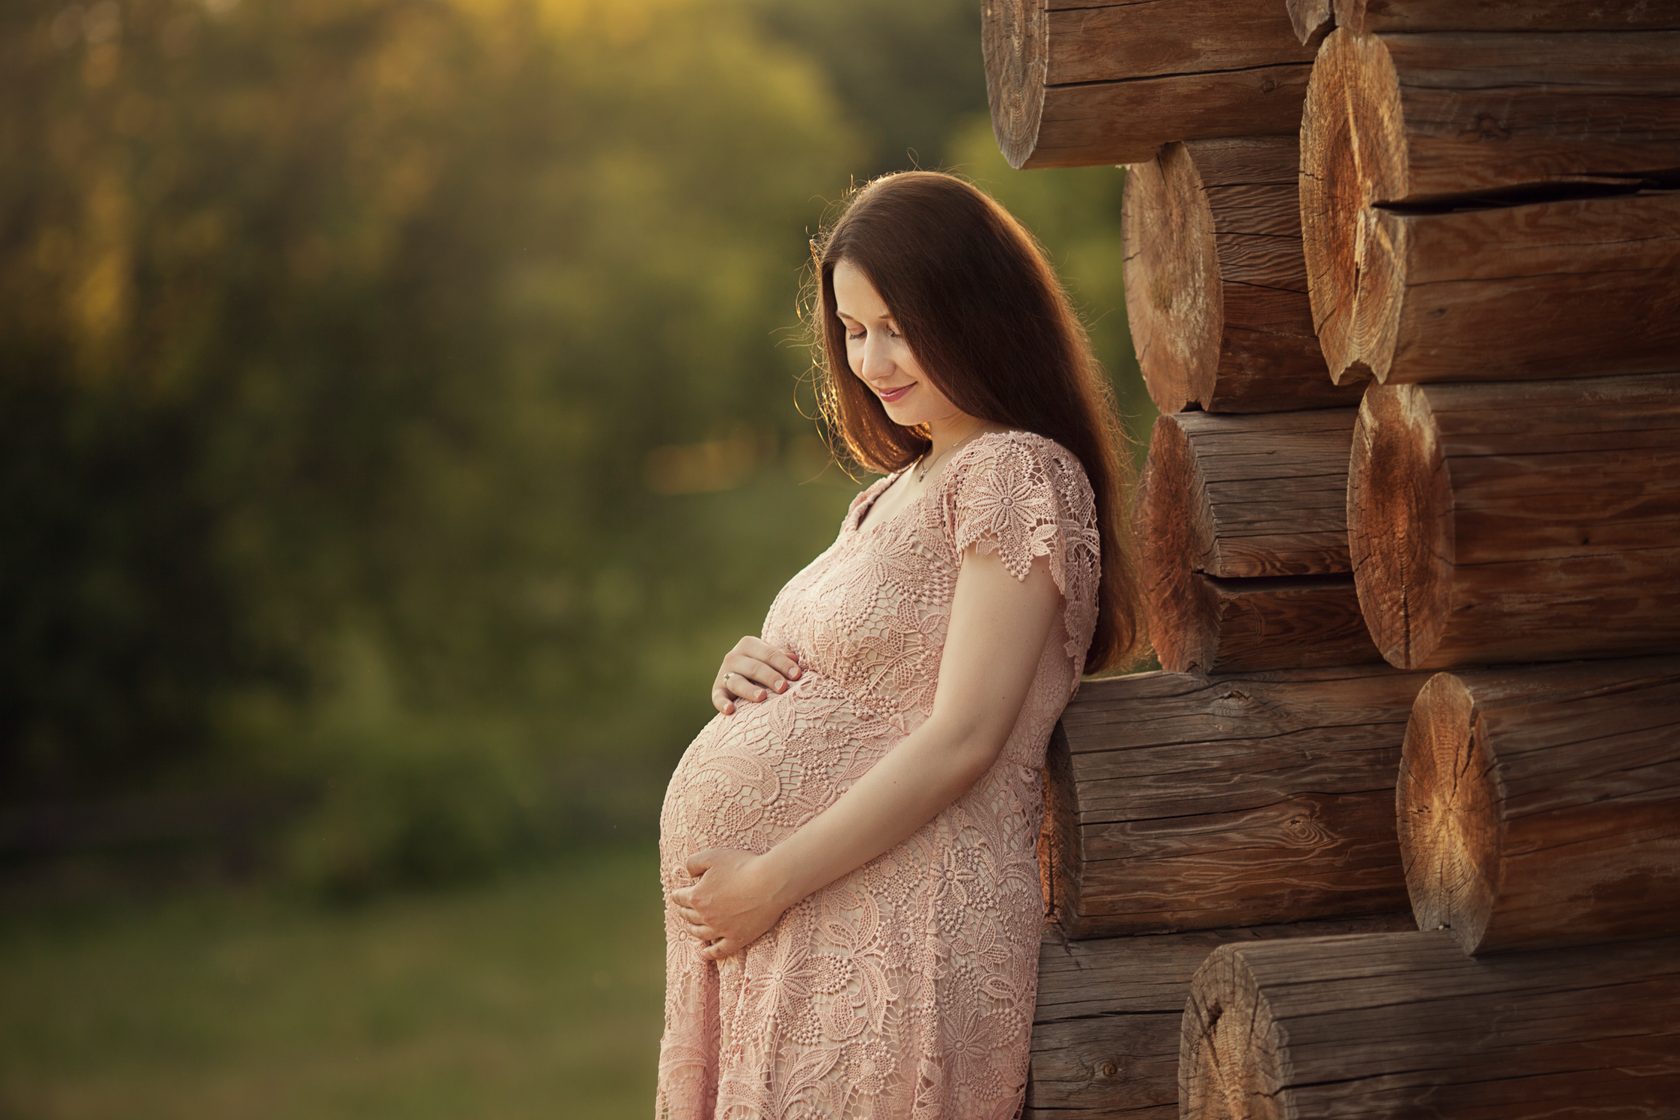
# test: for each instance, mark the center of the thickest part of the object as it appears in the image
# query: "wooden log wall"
(1216, 284)
(1109, 1024)
(1540, 807)
(1156, 778)
(1436, 245)
(1369, 1026)
(1077, 82)
(1242, 523)
(1492, 525)
(1403, 278)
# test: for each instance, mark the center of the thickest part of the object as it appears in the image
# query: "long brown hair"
(979, 304)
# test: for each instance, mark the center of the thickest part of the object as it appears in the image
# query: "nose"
(875, 363)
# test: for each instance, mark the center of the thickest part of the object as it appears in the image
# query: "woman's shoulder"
(1020, 448)
(1021, 494)
(1000, 438)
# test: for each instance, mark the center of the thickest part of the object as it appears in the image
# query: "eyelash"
(860, 334)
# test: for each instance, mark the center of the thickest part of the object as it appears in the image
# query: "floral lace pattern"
(906, 988)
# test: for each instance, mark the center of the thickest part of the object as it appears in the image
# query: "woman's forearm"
(922, 774)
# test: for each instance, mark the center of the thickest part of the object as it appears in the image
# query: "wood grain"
(1075, 84)
(1404, 1025)
(1216, 284)
(1492, 522)
(1539, 805)
(1242, 523)
(1178, 801)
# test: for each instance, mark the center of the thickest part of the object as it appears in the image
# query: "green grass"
(538, 995)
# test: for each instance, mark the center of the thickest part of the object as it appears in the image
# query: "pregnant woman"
(848, 849)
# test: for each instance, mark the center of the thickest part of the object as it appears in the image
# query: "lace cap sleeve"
(1020, 496)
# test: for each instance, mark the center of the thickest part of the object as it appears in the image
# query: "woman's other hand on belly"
(733, 900)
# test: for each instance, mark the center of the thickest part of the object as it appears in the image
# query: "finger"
(766, 674)
(718, 949)
(779, 662)
(742, 677)
(755, 647)
(786, 663)
(731, 684)
(721, 700)
(738, 679)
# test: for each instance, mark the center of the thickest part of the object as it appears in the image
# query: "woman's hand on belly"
(732, 901)
(753, 662)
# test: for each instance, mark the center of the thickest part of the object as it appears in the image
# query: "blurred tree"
(335, 333)
(906, 74)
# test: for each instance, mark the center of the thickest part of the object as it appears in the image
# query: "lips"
(894, 394)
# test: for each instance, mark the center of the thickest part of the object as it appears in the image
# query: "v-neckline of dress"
(857, 523)
(865, 507)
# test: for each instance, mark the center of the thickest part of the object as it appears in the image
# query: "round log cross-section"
(1436, 244)
(1492, 522)
(1216, 287)
(1540, 806)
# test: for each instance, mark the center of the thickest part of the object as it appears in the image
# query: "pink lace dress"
(903, 990)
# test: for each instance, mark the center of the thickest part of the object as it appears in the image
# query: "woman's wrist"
(785, 884)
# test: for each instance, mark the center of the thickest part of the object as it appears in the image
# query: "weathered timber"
(1569, 288)
(1243, 528)
(1177, 801)
(1539, 806)
(1432, 117)
(1408, 140)
(1110, 1010)
(1509, 523)
(1311, 20)
(1216, 286)
(1072, 83)
(1367, 16)
(1404, 1025)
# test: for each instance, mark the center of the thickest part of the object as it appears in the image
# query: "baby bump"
(751, 778)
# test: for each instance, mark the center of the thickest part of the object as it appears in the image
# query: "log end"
(1175, 534)
(1354, 15)
(1400, 525)
(1174, 293)
(1014, 43)
(1446, 813)
(1312, 20)
(1228, 1048)
(1060, 851)
(1352, 159)
(1355, 372)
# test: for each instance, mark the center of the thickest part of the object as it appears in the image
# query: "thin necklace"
(923, 468)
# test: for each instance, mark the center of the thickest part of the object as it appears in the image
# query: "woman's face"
(881, 358)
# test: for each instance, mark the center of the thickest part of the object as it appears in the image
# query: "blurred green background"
(405, 407)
